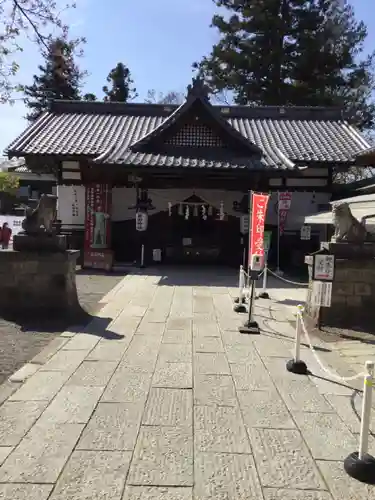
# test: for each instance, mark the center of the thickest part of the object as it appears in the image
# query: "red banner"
(97, 249)
(283, 207)
(259, 204)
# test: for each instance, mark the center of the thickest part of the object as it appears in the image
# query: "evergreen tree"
(296, 52)
(59, 78)
(19, 21)
(121, 85)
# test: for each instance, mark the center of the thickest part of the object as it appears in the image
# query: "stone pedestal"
(353, 288)
(36, 283)
(39, 243)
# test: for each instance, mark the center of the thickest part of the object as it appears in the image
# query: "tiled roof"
(106, 132)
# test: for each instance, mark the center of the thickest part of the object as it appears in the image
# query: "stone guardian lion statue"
(347, 228)
(40, 219)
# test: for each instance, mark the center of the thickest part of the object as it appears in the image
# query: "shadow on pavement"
(78, 322)
(193, 276)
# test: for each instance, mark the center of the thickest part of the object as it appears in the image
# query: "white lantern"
(221, 213)
(141, 221)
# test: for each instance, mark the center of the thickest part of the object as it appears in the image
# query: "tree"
(59, 78)
(20, 19)
(9, 183)
(171, 97)
(292, 52)
(121, 85)
(89, 97)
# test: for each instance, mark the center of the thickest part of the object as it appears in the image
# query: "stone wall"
(32, 283)
(353, 296)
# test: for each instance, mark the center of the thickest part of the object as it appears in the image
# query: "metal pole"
(278, 232)
(142, 255)
(366, 410)
(297, 346)
(251, 300)
(264, 285)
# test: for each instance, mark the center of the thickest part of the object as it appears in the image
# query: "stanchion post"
(142, 257)
(250, 326)
(296, 365)
(264, 294)
(240, 300)
(360, 465)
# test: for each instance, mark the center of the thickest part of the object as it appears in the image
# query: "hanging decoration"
(180, 209)
(221, 212)
(210, 211)
(170, 208)
(204, 213)
(187, 212)
(195, 210)
(75, 203)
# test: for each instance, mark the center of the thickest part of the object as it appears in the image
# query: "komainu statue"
(347, 227)
(40, 219)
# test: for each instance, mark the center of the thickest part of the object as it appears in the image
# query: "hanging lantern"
(221, 212)
(210, 211)
(180, 209)
(204, 213)
(141, 221)
(187, 212)
(170, 208)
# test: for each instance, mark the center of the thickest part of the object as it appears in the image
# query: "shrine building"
(175, 179)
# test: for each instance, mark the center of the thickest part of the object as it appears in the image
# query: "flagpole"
(278, 233)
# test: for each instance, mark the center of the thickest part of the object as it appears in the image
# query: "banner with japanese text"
(283, 207)
(258, 213)
(98, 253)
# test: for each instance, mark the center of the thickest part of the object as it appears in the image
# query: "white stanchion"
(366, 410)
(296, 365)
(264, 294)
(240, 300)
(360, 465)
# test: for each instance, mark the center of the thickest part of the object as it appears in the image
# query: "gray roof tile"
(106, 131)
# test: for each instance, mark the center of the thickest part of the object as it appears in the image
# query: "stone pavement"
(160, 397)
(20, 342)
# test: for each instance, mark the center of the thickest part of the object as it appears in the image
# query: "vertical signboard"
(97, 251)
(284, 203)
(259, 204)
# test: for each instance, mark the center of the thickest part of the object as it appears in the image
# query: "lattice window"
(197, 136)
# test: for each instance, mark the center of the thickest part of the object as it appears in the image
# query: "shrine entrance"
(194, 232)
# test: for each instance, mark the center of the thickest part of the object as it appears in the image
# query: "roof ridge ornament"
(198, 88)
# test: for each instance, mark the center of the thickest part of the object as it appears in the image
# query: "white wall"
(303, 203)
(69, 196)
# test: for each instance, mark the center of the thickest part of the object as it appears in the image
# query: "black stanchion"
(250, 326)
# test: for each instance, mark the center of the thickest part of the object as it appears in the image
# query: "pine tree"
(121, 88)
(298, 52)
(59, 78)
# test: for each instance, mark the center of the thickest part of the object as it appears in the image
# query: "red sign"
(283, 206)
(259, 203)
(97, 251)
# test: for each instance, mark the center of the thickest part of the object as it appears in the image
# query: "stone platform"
(180, 406)
(33, 283)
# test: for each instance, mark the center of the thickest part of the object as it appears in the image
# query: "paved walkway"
(161, 398)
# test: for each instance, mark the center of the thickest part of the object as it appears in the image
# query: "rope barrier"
(359, 464)
(331, 374)
(300, 283)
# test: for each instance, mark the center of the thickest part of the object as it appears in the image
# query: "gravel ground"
(21, 342)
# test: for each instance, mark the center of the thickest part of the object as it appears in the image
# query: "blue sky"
(157, 39)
